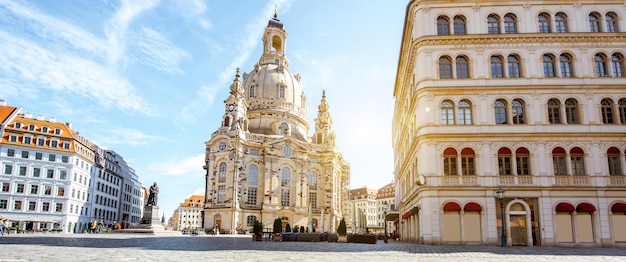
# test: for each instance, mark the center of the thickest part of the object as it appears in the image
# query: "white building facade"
(527, 96)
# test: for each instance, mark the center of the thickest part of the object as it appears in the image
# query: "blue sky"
(148, 78)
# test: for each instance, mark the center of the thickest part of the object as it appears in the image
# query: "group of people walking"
(97, 227)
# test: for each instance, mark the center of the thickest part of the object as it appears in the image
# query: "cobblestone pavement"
(138, 247)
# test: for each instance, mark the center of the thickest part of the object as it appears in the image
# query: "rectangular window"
(24, 154)
(38, 156)
(10, 152)
(52, 157)
(313, 199)
(41, 142)
(63, 175)
(65, 159)
(49, 173)
(6, 186)
(449, 166)
(36, 171)
(59, 207)
(252, 195)
(19, 188)
(47, 190)
(17, 205)
(615, 168)
(34, 189)
(578, 166)
(221, 194)
(27, 140)
(45, 206)
(53, 144)
(284, 197)
(559, 165)
(4, 203)
(32, 205)
(22, 171)
(60, 191)
(13, 138)
(504, 165)
(8, 169)
(467, 166)
(522, 165)
(66, 145)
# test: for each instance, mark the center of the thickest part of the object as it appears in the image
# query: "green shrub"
(278, 226)
(341, 230)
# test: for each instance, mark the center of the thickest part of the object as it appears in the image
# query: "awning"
(564, 207)
(30, 219)
(406, 215)
(585, 207)
(619, 207)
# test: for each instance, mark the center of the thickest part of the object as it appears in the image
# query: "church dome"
(276, 101)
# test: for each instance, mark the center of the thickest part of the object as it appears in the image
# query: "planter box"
(290, 236)
(332, 237)
(309, 237)
(342, 239)
(257, 238)
(277, 238)
(367, 239)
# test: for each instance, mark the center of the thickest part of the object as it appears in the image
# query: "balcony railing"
(526, 181)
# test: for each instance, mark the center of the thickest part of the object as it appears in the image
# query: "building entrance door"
(518, 230)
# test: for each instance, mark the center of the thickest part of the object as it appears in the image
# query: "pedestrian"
(100, 226)
(92, 227)
(5, 225)
(2, 228)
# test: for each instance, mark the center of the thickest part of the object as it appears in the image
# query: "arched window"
(522, 160)
(253, 175)
(447, 113)
(504, 162)
(449, 162)
(611, 22)
(560, 23)
(571, 111)
(615, 165)
(622, 111)
(500, 111)
(459, 25)
(493, 24)
(443, 25)
(465, 112)
(548, 65)
(222, 172)
(554, 111)
(617, 65)
(462, 67)
(558, 161)
(565, 64)
(513, 63)
(601, 65)
(497, 70)
(594, 22)
(313, 181)
(467, 162)
(285, 178)
(544, 23)
(510, 24)
(607, 111)
(578, 163)
(517, 111)
(445, 67)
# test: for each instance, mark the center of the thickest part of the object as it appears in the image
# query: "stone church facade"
(524, 96)
(261, 164)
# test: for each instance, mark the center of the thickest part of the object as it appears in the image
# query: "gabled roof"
(5, 113)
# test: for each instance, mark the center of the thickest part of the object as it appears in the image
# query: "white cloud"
(34, 67)
(193, 10)
(154, 50)
(190, 165)
(123, 136)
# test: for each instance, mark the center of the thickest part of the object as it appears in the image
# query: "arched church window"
(285, 177)
(281, 92)
(283, 128)
(222, 172)
(251, 92)
(312, 181)
(253, 174)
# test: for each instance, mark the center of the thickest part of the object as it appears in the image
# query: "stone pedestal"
(150, 224)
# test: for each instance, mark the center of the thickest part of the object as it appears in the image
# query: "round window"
(287, 150)
(222, 146)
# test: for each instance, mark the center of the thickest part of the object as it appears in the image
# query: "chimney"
(53, 119)
(40, 117)
(3, 102)
(28, 115)
(69, 125)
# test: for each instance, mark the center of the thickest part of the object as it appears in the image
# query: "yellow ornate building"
(261, 164)
(524, 96)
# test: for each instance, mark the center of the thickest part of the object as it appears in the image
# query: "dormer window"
(281, 92)
(32, 127)
(44, 129)
(17, 125)
(57, 131)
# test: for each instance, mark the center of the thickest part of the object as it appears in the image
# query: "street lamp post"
(385, 221)
(500, 195)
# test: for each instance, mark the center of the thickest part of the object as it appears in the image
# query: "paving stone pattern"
(137, 247)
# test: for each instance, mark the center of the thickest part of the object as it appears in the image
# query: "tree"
(287, 228)
(341, 230)
(278, 226)
(257, 228)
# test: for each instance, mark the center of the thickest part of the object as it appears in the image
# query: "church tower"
(261, 164)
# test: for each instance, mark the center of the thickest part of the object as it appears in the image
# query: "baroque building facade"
(524, 96)
(261, 164)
